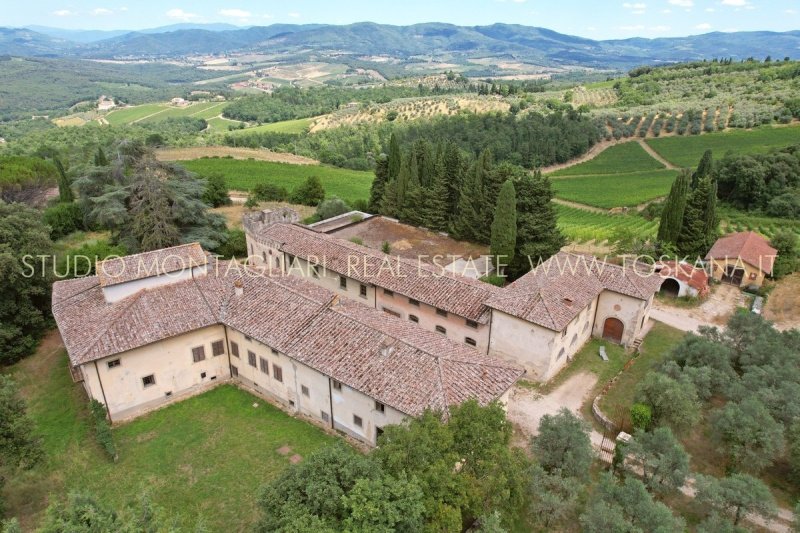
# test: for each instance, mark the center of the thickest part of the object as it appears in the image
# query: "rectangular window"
(234, 349)
(336, 385)
(357, 421)
(234, 371)
(217, 348)
(472, 324)
(389, 293)
(304, 390)
(441, 329)
(441, 312)
(391, 312)
(470, 341)
(114, 363)
(413, 318)
(413, 302)
(380, 407)
(277, 373)
(251, 358)
(362, 291)
(264, 365)
(342, 282)
(325, 416)
(147, 381)
(199, 353)
(314, 271)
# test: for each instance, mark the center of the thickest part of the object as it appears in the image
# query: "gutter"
(102, 390)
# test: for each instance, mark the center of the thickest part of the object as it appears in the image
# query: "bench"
(603, 355)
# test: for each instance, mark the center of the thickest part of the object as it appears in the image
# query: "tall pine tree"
(538, 236)
(394, 201)
(672, 213)
(704, 168)
(453, 169)
(504, 225)
(468, 223)
(395, 157)
(65, 193)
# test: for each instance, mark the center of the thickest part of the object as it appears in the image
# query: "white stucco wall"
(631, 311)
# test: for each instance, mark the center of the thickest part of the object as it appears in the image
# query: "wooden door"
(613, 329)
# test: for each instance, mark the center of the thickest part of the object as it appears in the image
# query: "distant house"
(743, 259)
(179, 102)
(682, 279)
(104, 103)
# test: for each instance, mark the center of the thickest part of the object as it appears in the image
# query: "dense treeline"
(530, 140)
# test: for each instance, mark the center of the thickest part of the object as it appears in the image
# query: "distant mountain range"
(437, 40)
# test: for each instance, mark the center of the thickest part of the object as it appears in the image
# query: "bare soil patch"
(196, 152)
(783, 304)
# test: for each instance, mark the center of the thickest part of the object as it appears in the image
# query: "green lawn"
(618, 400)
(581, 225)
(615, 190)
(348, 185)
(617, 159)
(686, 151)
(202, 457)
(286, 126)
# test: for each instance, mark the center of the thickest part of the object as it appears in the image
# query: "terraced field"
(615, 190)
(349, 185)
(687, 151)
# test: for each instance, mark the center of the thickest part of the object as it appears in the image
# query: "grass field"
(127, 115)
(615, 190)
(617, 159)
(203, 457)
(286, 126)
(580, 225)
(149, 113)
(349, 185)
(687, 151)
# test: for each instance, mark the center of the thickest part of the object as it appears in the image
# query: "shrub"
(235, 245)
(102, 429)
(386, 247)
(332, 207)
(309, 193)
(357, 240)
(494, 279)
(216, 192)
(82, 261)
(641, 416)
(63, 219)
(268, 192)
(251, 202)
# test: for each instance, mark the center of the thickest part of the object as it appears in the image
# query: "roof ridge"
(153, 251)
(71, 296)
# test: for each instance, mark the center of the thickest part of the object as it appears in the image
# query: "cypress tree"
(378, 188)
(538, 236)
(672, 214)
(435, 204)
(504, 225)
(394, 201)
(395, 157)
(493, 181)
(65, 193)
(452, 168)
(696, 227)
(468, 223)
(426, 162)
(410, 211)
(711, 229)
(703, 168)
(100, 159)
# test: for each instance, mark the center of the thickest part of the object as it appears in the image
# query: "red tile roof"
(748, 246)
(697, 278)
(460, 295)
(147, 264)
(556, 291)
(340, 338)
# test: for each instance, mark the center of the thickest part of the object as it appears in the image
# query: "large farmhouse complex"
(350, 338)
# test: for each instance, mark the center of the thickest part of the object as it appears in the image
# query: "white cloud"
(666, 11)
(791, 12)
(710, 10)
(735, 3)
(682, 3)
(63, 13)
(266, 16)
(123, 8)
(180, 14)
(294, 15)
(101, 11)
(703, 26)
(638, 5)
(235, 13)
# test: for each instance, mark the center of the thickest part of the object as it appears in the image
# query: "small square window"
(314, 271)
(336, 385)
(198, 353)
(362, 291)
(358, 421)
(202, 375)
(441, 312)
(413, 318)
(217, 348)
(441, 329)
(342, 282)
(472, 324)
(168, 393)
(277, 373)
(264, 365)
(325, 416)
(114, 363)
(234, 371)
(413, 302)
(380, 407)
(251, 358)
(234, 349)
(470, 341)
(389, 293)
(147, 381)
(304, 390)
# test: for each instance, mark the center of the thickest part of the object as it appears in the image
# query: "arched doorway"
(670, 287)
(613, 329)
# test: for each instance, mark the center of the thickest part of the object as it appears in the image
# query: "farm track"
(583, 207)
(593, 152)
(655, 155)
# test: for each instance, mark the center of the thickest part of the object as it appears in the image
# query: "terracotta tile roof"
(748, 246)
(419, 280)
(147, 264)
(557, 290)
(696, 278)
(340, 338)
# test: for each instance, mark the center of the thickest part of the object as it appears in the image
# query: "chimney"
(238, 287)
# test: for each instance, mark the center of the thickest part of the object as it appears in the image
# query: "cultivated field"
(203, 458)
(349, 185)
(617, 159)
(580, 225)
(230, 152)
(615, 190)
(154, 112)
(287, 126)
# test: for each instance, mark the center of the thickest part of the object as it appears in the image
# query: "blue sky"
(589, 18)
